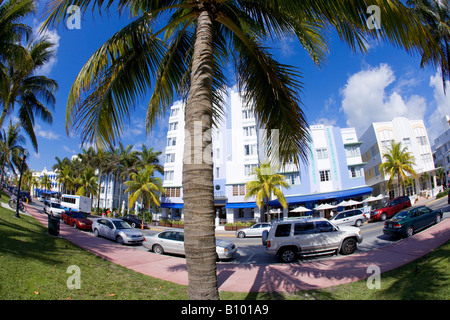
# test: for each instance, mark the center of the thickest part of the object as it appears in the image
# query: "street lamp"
(25, 152)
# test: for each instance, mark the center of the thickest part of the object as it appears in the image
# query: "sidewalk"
(265, 278)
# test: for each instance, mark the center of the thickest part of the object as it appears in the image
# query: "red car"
(390, 208)
(77, 220)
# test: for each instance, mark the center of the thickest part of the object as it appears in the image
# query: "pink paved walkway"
(265, 278)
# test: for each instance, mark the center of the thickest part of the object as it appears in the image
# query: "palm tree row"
(84, 174)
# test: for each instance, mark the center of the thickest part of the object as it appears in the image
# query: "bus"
(76, 203)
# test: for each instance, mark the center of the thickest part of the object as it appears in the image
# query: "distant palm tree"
(11, 145)
(201, 38)
(88, 183)
(397, 163)
(265, 185)
(45, 182)
(144, 186)
(66, 179)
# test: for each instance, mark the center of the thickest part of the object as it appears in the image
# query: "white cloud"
(47, 134)
(366, 98)
(442, 107)
(53, 37)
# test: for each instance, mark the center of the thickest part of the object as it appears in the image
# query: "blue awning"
(240, 205)
(172, 205)
(324, 196)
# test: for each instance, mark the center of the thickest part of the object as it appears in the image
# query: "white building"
(441, 150)
(413, 135)
(334, 173)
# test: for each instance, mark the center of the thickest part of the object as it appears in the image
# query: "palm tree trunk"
(198, 189)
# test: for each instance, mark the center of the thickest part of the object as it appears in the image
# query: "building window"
(239, 190)
(322, 153)
(170, 157)
(324, 175)
(422, 140)
(292, 178)
(249, 131)
(171, 141)
(168, 175)
(250, 149)
(174, 112)
(355, 172)
(426, 157)
(173, 126)
(249, 168)
(247, 114)
(172, 192)
(352, 151)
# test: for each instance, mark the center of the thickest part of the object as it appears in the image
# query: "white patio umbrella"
(325, 206)
(370, 199)
(300, 209)
(353, 202)
(343, 204)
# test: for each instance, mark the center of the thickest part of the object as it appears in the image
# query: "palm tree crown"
(398, 164)
(266, 184)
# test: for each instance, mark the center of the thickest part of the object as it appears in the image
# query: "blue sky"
(348, 90)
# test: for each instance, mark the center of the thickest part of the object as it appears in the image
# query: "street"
(251, 250)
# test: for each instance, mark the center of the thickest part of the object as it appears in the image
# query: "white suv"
(309, 237)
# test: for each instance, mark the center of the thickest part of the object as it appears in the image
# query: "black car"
(133, 220)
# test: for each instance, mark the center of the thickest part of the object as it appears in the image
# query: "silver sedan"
(117, 230)
(172, 241)
(255, 230)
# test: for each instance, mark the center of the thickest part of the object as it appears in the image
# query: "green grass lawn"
(33, 265)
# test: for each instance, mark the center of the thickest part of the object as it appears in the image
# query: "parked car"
(288, 239)
(408, 221)
(53, 208)
(172, 241)
(390, 208)
(255, 230)
(117, 230)
(354, 217)
(133, 221)
(77, 220)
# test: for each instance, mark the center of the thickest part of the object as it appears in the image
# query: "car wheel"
(358, 223)
(438, 219)
(96, 232)
(158, 249)
(119, 240)
(241, 234)
(383, 216)
(348, 246)
(133, 225)
(409, 231)
(287, 255)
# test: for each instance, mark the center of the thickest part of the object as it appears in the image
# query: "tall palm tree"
(66, 179)
(32, 93)
(129, 161)
(11, 145)
(398, 163)
(200, 38)
(149, 156)
(88, 183)
(435, 15)
(266, 184)
(144, 186)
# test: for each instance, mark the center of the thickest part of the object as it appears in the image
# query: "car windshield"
(55, 205)
(77, 215)
(403, 214)
(121, 224)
